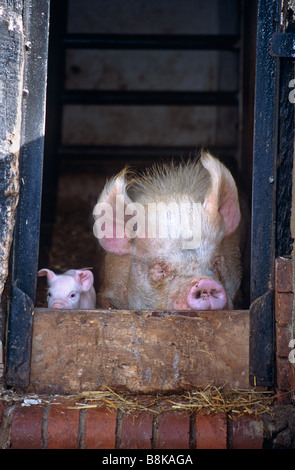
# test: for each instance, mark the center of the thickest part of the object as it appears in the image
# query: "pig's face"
(197, 264)
(176, 279)
(64, 292)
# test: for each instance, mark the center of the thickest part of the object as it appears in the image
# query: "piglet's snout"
(207, 294)
(59, 304)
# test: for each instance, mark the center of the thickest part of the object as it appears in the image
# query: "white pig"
(72, 289)
(146, 270)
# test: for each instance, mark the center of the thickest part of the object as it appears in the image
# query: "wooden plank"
(11, 87)
(143, 351)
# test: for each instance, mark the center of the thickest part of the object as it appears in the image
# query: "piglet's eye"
(73, 295)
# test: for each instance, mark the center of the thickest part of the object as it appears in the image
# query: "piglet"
(72, 289)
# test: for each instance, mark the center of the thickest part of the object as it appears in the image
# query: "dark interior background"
(87, 143)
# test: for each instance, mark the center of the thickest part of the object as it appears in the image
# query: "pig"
(72, 289)
(144, 270)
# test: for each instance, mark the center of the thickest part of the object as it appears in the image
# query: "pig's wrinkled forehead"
(165, 182)
(174, 251)
(63, 283)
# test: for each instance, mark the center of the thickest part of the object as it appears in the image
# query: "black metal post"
(263, 201)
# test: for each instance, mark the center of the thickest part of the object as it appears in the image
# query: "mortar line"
(44, 428)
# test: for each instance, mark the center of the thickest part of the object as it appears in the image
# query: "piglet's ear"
(221, 202)
(85, 278)
(110, 217)
(47, 272)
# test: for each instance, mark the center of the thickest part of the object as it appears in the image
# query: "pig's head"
(64, 290)
(196, 264)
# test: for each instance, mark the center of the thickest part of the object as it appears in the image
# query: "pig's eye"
(73, 295)
(159, 272)
(48, 294)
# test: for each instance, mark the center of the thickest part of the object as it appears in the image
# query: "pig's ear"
(85, 278)
(221, 201)
(110, 218)
(47, 272)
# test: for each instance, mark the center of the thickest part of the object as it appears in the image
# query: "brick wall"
(284, 297)
(57, 423)
(57, 426)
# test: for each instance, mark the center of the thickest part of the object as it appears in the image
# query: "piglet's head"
(64, 290)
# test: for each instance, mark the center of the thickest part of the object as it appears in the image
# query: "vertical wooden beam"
(11, 78)
(26, 236)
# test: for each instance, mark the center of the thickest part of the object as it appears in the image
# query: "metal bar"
(81, 152)
(26, 236)
(104, 159)
(263, 200)
(153, 41)
(149, 98)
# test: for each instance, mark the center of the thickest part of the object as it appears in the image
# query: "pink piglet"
(72, 289)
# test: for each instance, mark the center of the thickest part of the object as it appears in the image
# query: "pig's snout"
(59, 305)
(207, 294)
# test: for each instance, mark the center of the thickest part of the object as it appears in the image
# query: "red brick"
(285, 374)
(283, 397)
(63, 427)
(173, 430)
(100, 429)
(2, 407)
(283, 275)
(246, 432)
(283, 338)
(211, 431)
(137, 431)
(26, 427)
(284, 308)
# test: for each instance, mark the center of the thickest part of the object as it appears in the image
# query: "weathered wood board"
(11, 91)
(146, 352)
